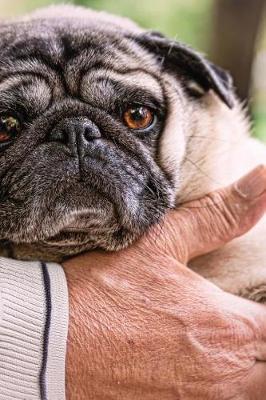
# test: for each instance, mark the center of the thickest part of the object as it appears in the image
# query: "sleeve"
(33, 330)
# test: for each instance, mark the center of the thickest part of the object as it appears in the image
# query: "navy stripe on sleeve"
(48, 300)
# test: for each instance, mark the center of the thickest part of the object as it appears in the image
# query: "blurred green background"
(231, 33)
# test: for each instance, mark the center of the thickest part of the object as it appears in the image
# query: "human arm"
(142, 325)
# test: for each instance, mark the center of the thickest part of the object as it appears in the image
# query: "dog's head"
(86, 120)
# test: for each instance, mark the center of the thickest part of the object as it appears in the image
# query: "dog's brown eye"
(138, 117)
(9, 128)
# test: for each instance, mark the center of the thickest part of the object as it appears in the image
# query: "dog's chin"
(79, 219)
(89, 229)
(73, 241)
(69, 242)
(94, 231)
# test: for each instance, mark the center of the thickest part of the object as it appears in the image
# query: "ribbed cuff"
(55, 375)
(33, 330)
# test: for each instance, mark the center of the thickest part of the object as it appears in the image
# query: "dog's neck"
(215, 149)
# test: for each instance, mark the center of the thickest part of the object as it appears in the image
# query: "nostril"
(73, 132)
(91, 133)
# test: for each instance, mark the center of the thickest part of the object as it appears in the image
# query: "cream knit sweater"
(33, 330)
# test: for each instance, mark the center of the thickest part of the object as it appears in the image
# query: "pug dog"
(103, 128)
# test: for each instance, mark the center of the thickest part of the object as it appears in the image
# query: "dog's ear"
(191, 65)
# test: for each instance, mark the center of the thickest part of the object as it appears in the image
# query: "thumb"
(201, 226)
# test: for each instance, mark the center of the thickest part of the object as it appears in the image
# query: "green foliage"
(187, 20)
(260, 124)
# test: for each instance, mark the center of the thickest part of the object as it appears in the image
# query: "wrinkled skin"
(156, 330)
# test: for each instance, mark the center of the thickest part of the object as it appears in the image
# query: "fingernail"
(253, 184)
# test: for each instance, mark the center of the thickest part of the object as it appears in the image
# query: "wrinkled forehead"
(67, 57)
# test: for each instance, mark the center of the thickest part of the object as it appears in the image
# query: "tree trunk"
(236, 28)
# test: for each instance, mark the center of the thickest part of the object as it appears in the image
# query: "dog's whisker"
(205, 174)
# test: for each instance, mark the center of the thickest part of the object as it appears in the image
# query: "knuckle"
(225, 212)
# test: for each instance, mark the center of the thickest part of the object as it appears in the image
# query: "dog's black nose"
(75, 132)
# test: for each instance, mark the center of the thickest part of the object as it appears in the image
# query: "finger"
(204, 225)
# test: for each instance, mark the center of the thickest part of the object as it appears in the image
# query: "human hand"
(144, 326)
